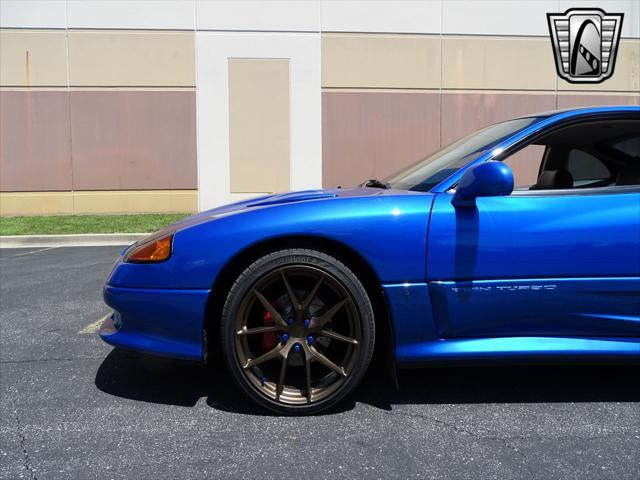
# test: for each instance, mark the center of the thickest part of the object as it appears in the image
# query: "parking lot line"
(33, 251)
(94, 326)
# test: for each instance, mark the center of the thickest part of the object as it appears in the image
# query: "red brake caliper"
(269, 339)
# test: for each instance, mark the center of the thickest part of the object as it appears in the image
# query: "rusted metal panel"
(465, 112)
(586, 100)
(133, 140)
(374, 134)
(35, 145)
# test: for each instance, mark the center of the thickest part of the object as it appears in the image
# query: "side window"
(585, 155)
(629, 151)
(585, 168)
(525, 165)
(630, 146)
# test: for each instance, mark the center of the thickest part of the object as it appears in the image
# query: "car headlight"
(153, 249)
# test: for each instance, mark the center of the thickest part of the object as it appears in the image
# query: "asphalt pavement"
(73, 407)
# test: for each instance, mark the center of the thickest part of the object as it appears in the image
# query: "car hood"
(281, 199)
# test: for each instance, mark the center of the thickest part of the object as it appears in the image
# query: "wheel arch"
(384, 349)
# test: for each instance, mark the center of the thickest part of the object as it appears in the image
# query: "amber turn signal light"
(157, 250)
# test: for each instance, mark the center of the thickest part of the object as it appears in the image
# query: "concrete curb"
(80, 240)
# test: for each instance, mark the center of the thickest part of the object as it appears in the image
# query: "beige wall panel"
(626, 75)
(498, 63)
(36, 203)
(33, 58)
(47, 203)
(132, 140)
(375, 134)
(587, 100)
(382, 61)
(463, 113)
(35, 148)
(166, 201)
(116, 58)
(259, 125)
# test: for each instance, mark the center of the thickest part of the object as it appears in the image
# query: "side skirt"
(519, 349)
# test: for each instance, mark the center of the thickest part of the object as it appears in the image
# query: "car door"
(539, 262)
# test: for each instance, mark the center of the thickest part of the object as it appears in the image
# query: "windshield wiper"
(375, 183)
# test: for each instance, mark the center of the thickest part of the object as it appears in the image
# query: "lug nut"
(307, 322)
(290, 321)
(284, 337)
(297, 348)
(310, 340)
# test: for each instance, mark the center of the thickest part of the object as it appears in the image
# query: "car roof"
(591, 110)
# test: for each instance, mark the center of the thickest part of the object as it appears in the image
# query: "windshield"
(430, 171)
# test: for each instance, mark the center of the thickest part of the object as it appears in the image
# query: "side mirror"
(489, 179)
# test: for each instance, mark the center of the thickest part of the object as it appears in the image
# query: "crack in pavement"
(26, 459)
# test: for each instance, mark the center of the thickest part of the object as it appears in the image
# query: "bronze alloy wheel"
(299, 340)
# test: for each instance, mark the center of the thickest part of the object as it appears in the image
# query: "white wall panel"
(630, 8)
(33, 14)
(266, 15)
(381, 16)
(130, 14)
(496, 17)
(213, 51)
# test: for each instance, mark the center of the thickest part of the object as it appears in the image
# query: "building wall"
(418, 81)
(180, 105)
(97, 107)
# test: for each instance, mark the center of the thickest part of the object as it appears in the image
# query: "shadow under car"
(167, 381)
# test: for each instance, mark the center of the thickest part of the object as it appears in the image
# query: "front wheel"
(297, 331)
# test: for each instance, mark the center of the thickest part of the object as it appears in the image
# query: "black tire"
(348, 333)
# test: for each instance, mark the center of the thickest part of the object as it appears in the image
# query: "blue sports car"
(520, 242)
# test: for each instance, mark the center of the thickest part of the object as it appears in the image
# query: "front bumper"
(157, 321)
